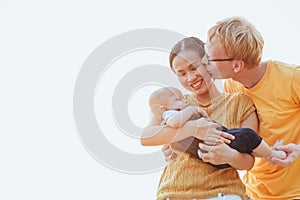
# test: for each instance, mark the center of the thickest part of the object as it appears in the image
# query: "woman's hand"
(168, 153)
(223, 154)
(217, 155)
(207, 130)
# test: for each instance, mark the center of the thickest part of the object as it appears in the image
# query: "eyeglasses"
(218, 60)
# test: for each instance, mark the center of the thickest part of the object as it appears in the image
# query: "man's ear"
(239, 66)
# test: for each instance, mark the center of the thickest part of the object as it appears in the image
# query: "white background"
(42, 47)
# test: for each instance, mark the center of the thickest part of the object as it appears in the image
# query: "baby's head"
(167, 98)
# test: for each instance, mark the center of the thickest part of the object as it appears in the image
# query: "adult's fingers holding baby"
(214, 154)
(292, 151)
(226, 137)
(215, 138)
(203, 127)
(168, 153)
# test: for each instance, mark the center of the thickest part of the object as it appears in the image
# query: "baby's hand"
(202, 113)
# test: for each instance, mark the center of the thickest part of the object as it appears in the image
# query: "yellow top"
(277, 101)
(189, 178)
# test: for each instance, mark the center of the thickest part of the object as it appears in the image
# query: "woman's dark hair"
(189, 43)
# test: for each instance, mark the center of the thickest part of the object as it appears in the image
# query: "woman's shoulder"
(236, 95)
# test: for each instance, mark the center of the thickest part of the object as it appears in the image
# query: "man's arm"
(292, 150)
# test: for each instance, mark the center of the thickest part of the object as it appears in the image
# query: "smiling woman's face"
(191, 73)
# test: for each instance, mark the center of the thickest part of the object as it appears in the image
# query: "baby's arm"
(181, 117)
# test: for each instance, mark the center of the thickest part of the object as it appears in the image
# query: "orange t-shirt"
(277, 100)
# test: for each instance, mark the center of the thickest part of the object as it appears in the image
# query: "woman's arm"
(251, 122)
(156, 134)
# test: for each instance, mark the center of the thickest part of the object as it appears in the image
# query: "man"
(234, 50)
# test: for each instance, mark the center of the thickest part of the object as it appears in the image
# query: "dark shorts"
(245, 141)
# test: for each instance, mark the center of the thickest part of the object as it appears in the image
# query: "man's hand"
(292, 151)
(168, 153)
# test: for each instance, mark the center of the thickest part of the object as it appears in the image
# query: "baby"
(169, 105)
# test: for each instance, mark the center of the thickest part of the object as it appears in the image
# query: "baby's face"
(176, 101)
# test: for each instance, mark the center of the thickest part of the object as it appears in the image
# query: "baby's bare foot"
(279, 154)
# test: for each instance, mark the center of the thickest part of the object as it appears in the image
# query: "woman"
(187, 177)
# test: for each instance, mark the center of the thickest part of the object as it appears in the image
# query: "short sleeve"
(239, 107)
(245, 107)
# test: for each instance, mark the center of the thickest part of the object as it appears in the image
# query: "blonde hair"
(239, 38)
